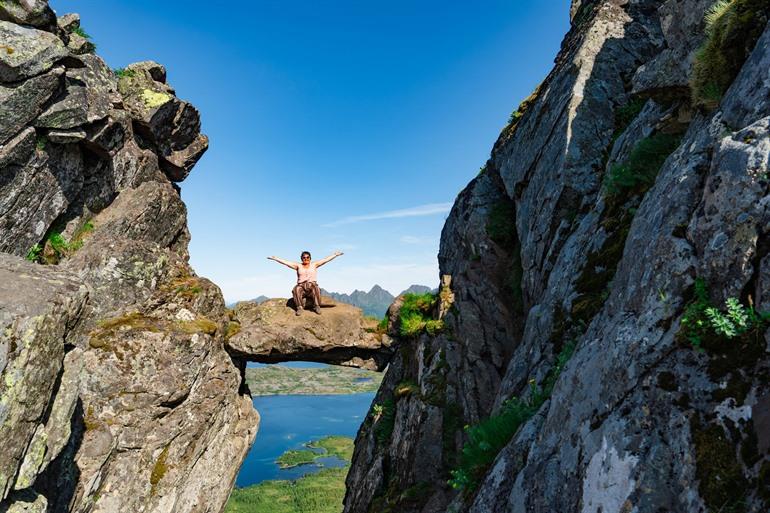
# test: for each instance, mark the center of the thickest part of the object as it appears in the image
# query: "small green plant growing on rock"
(637, 174)
(384, 418)
(82, 33)
(702, 320)
(124, 73)
(415, 315)
(513, 121)
(487, 438)
(34, 253)
(732, 29)
(55, 247)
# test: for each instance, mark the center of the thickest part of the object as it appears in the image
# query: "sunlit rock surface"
(116, 391)
(270, 332)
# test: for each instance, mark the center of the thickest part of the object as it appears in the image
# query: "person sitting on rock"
(307, 279)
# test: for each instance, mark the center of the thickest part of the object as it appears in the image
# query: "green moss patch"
(722, 484)
(159, 470)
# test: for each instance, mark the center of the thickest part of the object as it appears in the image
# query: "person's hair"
(305, 253)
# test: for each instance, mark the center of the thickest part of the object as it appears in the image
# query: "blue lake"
(289, 421)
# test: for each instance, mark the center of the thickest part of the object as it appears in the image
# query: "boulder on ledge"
(270, 332)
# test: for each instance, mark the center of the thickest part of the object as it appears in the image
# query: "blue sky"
(343, 125)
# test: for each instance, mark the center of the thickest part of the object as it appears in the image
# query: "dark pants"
(306, 289)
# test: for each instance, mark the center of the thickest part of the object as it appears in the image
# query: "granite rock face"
(570, 293)
(117, 393)
(270, 332)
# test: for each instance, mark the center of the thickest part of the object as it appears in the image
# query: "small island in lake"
(320, 492)
(331, 446)
(281, 380)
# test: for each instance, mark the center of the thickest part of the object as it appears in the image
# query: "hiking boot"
(317, 309)
(298, 312)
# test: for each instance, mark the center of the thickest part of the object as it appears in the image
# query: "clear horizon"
(333, 125)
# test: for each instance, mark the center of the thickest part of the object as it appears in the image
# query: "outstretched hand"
(338, 253)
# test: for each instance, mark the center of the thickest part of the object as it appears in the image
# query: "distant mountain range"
(374, 303)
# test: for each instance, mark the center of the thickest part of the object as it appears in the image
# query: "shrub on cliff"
(732, 29)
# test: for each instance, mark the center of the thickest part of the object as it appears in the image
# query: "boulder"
(26, 52)
(22, 102)
(270, 332)
(87, 97)
(171, 125)
(36, 13)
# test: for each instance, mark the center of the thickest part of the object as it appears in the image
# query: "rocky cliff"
(117, 393)
(603, 347)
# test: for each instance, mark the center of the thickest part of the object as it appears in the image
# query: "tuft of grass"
(415, 315)
(487, 438)
(637, 174)
(82, 33)
(406, 388)
(34, 253)
(732, 30)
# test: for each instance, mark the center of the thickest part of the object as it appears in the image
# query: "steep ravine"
(620, 190)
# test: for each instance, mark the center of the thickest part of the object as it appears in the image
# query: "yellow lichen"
(154, 99)
(199, 325)
(108, 328)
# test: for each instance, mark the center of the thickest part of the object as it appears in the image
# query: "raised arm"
(292, 265)
(328, 259)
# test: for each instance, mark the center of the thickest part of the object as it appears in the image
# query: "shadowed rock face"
(270, 332)
(544, 257)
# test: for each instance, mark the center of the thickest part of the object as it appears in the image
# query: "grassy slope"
(317, 493)
(321, 492)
